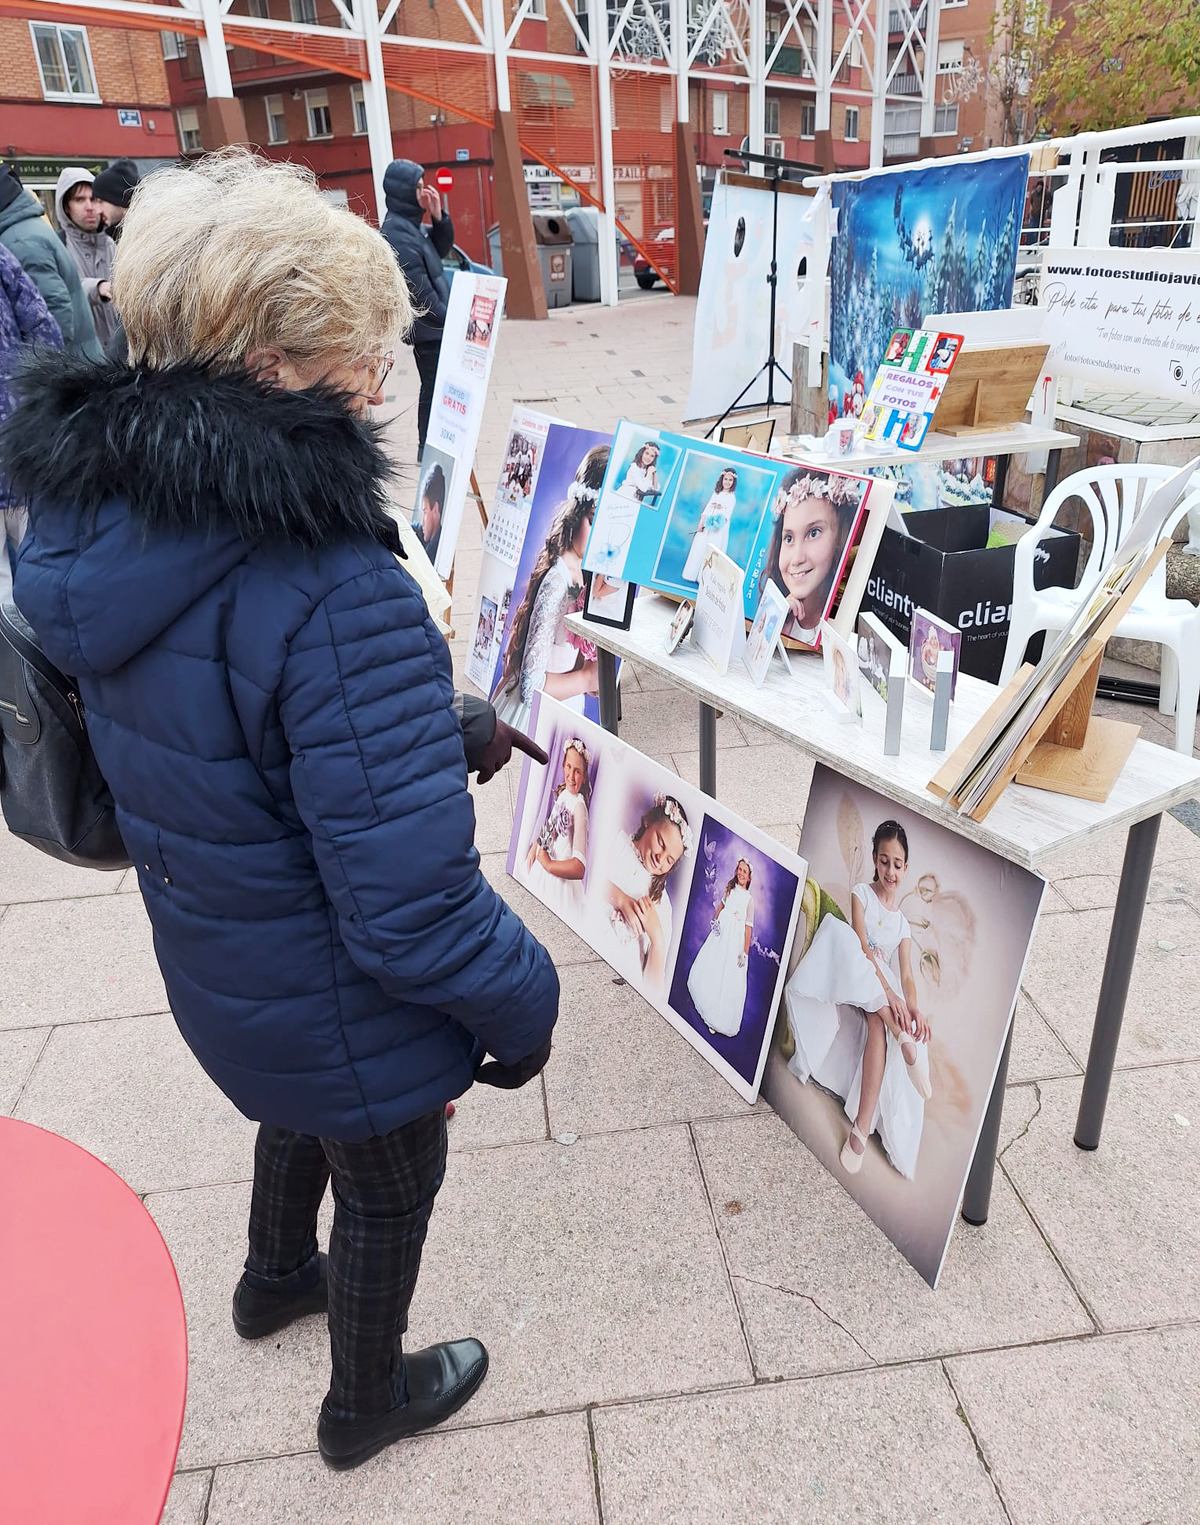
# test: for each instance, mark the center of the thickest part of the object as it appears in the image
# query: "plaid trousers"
(383, 1193)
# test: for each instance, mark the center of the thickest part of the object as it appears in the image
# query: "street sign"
(444, 180)
(462, 154)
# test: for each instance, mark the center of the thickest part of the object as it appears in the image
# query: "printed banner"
(907, 386)
(460, 392)
(1124, 320)
(694, 907)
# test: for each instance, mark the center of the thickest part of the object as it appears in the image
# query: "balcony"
(901, 145)
(899, 20)
(905, 84)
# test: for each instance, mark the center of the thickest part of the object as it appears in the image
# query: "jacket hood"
(146, 487)
(10, 186)
(67, 181)
(400, 181)
(20, 207)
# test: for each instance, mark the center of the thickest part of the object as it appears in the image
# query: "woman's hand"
(921, 1029)
(589, 675)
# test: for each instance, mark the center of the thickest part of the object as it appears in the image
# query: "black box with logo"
(945, 565)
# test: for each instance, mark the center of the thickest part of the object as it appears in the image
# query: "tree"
(1122, 62)
(1020, 47)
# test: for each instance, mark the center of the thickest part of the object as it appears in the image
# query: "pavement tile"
(762, 783)
(493, 814)
(18, 1055)
(486, 1116)
(590, 1271)
(810, 1308)
(187, 1499)
(536, 1471)
(1160, 1013)
(618, 1064)
(1124, 1219)
(663, 724)
(886, 1447)
(1036, 1053)
(28, 874)
(1105, 1439)
(76, 960)
(1106, 856)
(562, 944)
(131, 1093)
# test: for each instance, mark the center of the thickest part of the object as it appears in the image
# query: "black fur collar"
(191, 451)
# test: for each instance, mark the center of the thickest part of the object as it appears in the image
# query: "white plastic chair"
(1112, 496)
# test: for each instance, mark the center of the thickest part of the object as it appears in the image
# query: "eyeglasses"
(381, 369)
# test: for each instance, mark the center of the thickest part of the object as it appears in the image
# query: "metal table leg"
(1053, 462)
(708, 750)
(1118, 966)
(606, 671)
(978, 1194)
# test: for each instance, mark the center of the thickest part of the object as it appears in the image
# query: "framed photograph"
(756, 435)
(719, 504)
(606, 601)
(680, 625)
(843, 692)
(882, 660)
(928, 637)
(765, 633)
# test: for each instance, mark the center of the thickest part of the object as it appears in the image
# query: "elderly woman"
(211, 558)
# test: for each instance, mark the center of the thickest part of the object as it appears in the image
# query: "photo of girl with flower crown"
(552, 855)
(817, 515)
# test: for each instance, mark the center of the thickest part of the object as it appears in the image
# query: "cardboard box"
(945, 565)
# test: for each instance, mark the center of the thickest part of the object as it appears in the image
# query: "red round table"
(93, 1344)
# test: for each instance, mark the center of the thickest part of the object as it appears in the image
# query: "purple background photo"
(774, 890)
(565, 448)
(541, 784)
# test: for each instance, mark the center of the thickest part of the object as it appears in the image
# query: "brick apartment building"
(73, 94)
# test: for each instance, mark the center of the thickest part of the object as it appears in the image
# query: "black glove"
(511, 1077)
(497, 752)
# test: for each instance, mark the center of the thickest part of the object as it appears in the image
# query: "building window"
(851, 133)
(950, 57)
(276, 121)
(771, 117)
(945, 121)
(537, 10)
(320, 123)
(188, 122)
(808, 120)
(304, 11)
(359, 102)
(259, 9)
(949, 5)
(174, 44)
(720, 114)
(64, 62)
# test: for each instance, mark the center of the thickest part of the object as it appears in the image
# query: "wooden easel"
(989, 387)
(483, 514)
(1067, 749)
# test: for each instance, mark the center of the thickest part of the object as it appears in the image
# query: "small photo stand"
(843, 694)
(765, 637)
(755, 435)
(680, 626)
(607, 601)
(883, 663)
(928, 637)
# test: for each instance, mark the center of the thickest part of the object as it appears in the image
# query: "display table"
(1027, 826)
(93, 1344)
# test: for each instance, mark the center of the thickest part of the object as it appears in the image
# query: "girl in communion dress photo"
(815, 518)
(717, 980)
(540, 652)
(635, 932)
(557, 857)
(642, 477)
(852, 1009)
(714, 524)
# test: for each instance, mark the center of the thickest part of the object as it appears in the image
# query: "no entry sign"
(444, 180)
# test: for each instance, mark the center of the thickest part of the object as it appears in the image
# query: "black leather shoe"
(440, 1380)
(256, 1313)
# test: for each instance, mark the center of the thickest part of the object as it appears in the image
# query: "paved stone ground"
(688, 1319)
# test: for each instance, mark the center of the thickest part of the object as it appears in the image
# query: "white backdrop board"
(1125, 320)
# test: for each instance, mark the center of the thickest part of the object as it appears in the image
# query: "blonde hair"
(238, 253)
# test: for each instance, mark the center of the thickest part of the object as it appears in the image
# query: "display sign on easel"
(908, 386)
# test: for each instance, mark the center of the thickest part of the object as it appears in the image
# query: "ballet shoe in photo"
(851, 1159)
(918, 1066)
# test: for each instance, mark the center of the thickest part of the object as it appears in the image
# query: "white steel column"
(933, 12)
(609, 264)
(379, 124)
(218, 83)
(495, 21)
(879, 76)
(758, 79)
(824, 63)
(679, 59)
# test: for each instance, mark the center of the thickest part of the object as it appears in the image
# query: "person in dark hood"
(88, 245)
(25, 232)
(112, 191)
(211, 555)
(420, 251)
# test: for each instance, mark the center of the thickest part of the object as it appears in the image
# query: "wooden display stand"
(1067, 749)
(989, 387)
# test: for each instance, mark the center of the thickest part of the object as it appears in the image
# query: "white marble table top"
(1014, 439)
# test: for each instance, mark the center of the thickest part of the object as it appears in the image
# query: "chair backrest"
(1113, 496)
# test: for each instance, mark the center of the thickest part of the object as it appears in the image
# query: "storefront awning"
(544, 90)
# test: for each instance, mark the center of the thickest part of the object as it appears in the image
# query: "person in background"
(26, 233)
(112, 191)
(25, 320)
(88, 245)
(273, 710)
(420, 252)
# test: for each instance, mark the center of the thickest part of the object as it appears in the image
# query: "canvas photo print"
(437, 476)
(718, 505)
(645, 869)
(905, 975)
(928, 638)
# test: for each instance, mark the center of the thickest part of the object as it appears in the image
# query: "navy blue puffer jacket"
(418, 252)
(274, 712)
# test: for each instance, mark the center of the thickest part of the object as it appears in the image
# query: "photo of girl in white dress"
(557, 858)
(853, 1013)
(540, 652)
(641, 480)
(635, 911)
(717, 980)
(713, 529)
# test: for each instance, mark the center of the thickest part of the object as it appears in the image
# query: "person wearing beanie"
(25, 233)
(420, 251)
(87, 244)
(112, 191)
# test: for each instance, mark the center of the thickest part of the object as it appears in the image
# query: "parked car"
(458, 259)
(644, 272)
